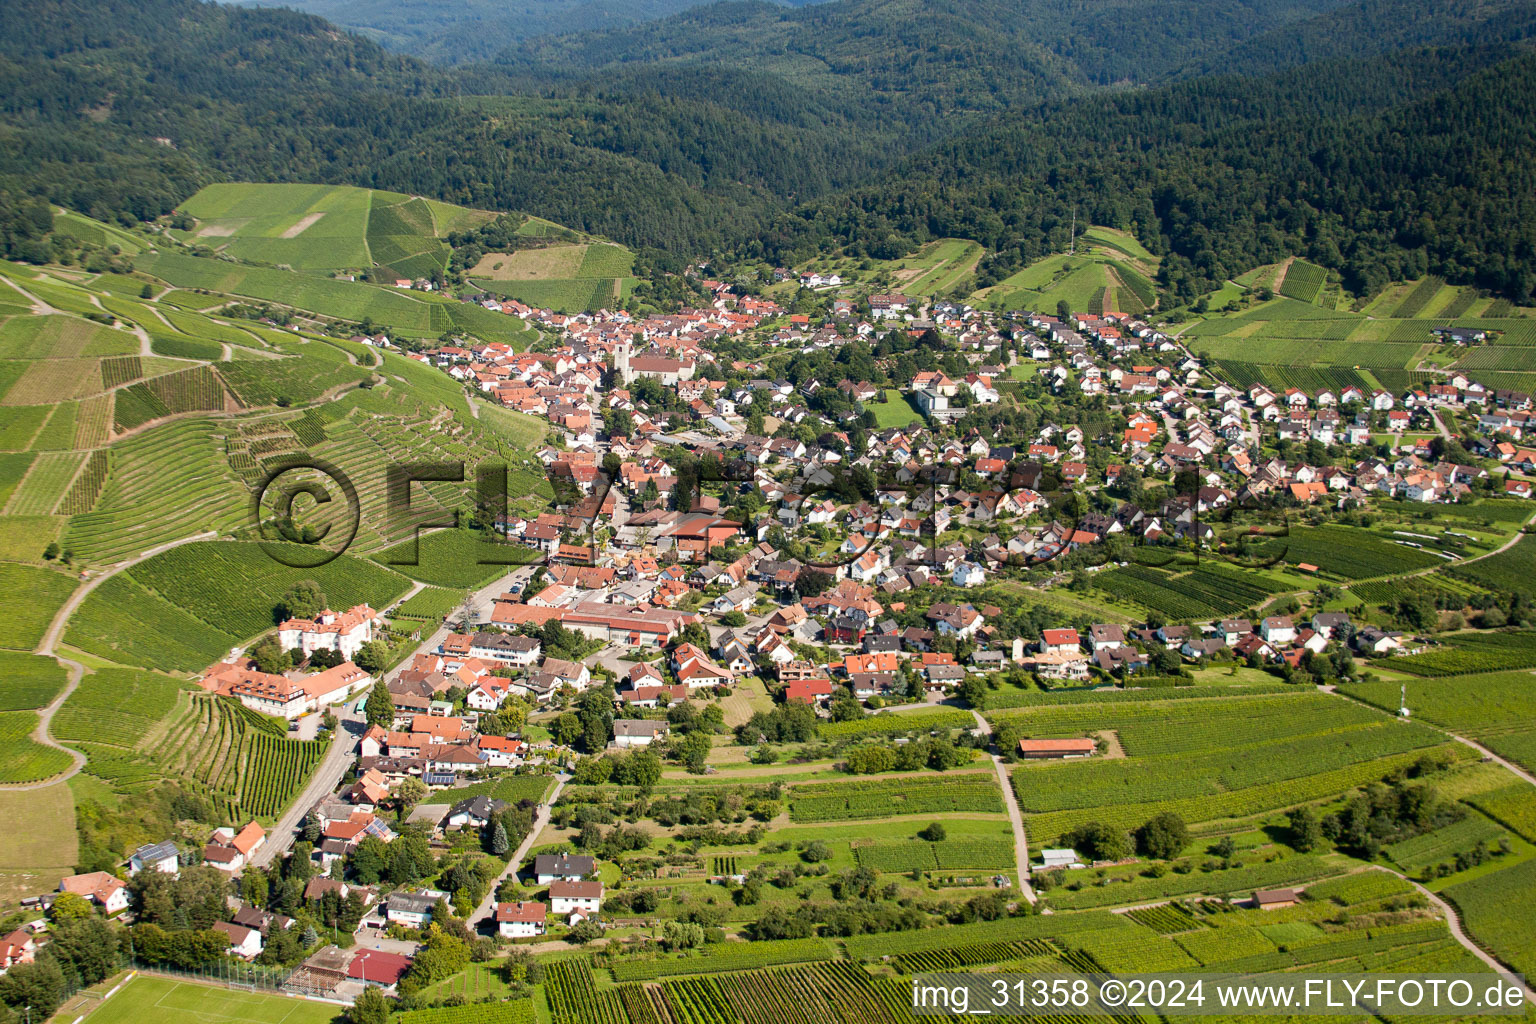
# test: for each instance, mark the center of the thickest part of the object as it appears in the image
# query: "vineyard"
(954, 853)
(1303, 281)
(241, 760)
(1213, 589)
(727, 956)
(1284, 872)
(1053, 698)
(1203, 759)
(232, 587)
(850, 800)
(28, 681)
(1471, 653)
(1347, 553)
(1443, 844)
(1496, 909)
(29, 598)
(1508, 571)
(896, 724)
(1476, 705)
(518, 1011)
(23, 759)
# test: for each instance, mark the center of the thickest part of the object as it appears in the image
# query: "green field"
(895, 411)
(152, 1000)
(1206, 760)
(325, 227)
(29, 599)
(28, 681)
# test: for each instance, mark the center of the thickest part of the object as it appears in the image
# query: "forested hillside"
(1383, 169)
(777, 132)
(471, 30)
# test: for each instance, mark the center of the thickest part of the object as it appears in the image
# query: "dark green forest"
(1380, 139)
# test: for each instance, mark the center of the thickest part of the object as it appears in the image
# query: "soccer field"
(152, 1000)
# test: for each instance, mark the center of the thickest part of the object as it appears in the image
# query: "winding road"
(76, 670)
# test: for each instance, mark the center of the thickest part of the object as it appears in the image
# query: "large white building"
(328, 631)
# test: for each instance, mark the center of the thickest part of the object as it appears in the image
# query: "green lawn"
(896, 411)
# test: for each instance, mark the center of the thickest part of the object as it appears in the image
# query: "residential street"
(487, 906)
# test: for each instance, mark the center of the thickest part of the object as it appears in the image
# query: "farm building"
(1275, 899)
(1057, 748)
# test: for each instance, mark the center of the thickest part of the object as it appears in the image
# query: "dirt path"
(39, 307)
(1453, 922)
(50, 640)
(1020, 839)
(540, 819)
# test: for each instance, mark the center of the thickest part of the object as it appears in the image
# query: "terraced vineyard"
(137, 728)
(23, 759)
(29, 598)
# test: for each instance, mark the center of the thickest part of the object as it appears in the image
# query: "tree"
(86, 950)
(585, 932)
(845, 706)
(372, 1007)
(380, 708)
(372, 657)
(270, 657)
(1099, 841)
(51, 552)
(1306, 831)
(500, 846)
(70, 906)
(694, 751)
(681, 935)
(39, 985)
(1163, 836)
(934, 833)
(304, 600)
(1063, 309)
(410, 792)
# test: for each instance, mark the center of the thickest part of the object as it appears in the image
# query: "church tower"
(621, 353)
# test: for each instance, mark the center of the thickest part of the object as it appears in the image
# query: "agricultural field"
(62, 337)
(29, 681)
(1496, 909)
(324, 227)
(1468, 653)
(455, 558)
(1508, 570)
(1206, 760)
(1095, 280)
(1185, 592)
(23, 759)
(1345, 553)
(1497, 709)
(137, 728)
(855, 799)
(1303, 281)
(566, 277)
(896, 724)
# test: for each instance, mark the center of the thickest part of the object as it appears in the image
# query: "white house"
(412, 909)
(1278, 629)
(548, 867)
(521, 920)
(106, 891)
(161, 856)
(637, 732)
(243, 942)
(565, 897)
(969, 574)
(328, 631)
